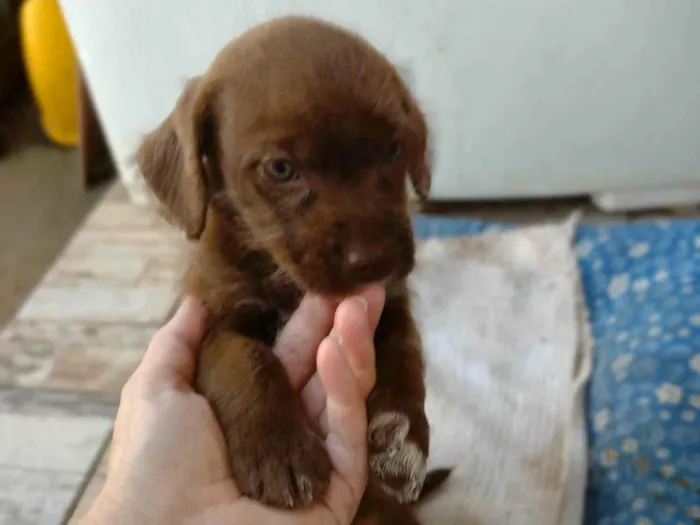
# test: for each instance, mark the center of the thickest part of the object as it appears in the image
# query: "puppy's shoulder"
(213, 275)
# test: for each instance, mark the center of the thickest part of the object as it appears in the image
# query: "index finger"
(298, 343)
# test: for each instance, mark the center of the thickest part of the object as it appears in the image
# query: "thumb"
(347, 429)
(171, 355)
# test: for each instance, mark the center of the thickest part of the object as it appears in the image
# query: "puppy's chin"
(340, 290)
(340, 286)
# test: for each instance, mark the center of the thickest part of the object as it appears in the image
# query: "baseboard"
(679, 196)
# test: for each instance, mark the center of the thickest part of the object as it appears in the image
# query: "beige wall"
(526, 97)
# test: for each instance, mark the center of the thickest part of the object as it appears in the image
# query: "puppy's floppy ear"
(420, 166)
(421, 176)
(420, 169)
(171, 159)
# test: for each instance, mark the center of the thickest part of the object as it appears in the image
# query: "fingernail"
(362, 301)
(187, 305)
(335, 336)
(190, 313)
(338, 339)
(315, 300)
(192, 304)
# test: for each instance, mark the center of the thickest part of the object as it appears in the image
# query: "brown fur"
(309, 93)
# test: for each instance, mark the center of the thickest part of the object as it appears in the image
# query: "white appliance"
(526, 98)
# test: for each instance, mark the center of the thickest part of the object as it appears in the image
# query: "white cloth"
(507, 347)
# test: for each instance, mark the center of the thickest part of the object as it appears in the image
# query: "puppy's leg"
(398, 428)
(275, 457)
(379, 508)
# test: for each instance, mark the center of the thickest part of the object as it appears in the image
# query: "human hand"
(168, 462)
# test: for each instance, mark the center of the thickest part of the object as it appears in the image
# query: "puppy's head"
(306, 134)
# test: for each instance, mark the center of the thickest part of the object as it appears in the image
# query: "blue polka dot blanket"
(642, 288)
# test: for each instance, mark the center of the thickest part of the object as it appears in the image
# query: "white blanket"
(508, 351)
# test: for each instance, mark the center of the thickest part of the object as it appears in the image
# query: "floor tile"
(116, 193)
(88, 322)
(30, 497)
(91, 369)
(50, 441)
(113, 265)
(72, 355)
(25, 361)
(124, 216)
(56, 443)
(51, 403)
(99, 303)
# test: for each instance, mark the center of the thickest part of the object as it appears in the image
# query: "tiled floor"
(49, 442)
(67, 353)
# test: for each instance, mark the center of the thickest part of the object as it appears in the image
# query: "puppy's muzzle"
(365, 265)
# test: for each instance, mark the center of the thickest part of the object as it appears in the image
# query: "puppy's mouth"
(338, 265)
(360, 272)
(345, 279)
(346, 286)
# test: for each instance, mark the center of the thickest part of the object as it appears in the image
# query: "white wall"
(526, 97)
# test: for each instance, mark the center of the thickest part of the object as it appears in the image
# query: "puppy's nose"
(357, 258)
(367, 264)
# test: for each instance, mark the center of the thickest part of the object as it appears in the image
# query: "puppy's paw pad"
(388, 432)
(398, 462)
(290, 472)
(305, 488)
(402, 473)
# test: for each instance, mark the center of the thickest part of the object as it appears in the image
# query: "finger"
(374, 295)
(313, 399)
(299, 340)
(359, 351)
(347, 422)
(171, 355)
(355, 321)
(355, 326)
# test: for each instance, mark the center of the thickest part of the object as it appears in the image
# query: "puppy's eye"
(280, 170)
(392, 152)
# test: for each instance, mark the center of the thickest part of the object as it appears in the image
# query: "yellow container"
(52, 69)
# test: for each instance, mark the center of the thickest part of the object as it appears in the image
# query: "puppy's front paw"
(288, 470)
(398, 453)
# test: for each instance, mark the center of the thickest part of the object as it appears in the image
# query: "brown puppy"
(288, 159)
